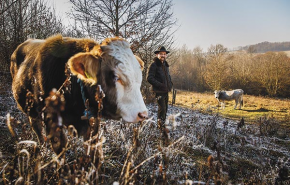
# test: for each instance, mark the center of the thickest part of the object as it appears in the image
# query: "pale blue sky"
(231, 23)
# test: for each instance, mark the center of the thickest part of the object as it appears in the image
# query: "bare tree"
(5, 6)
(21, 19)
(251, 49)
(272, 71)
(216, 68)
(135, 20)
(201, 63)
(146, 24)
(190, 70)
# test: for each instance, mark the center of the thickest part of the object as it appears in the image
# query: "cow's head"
(119, 72)
(217, 94)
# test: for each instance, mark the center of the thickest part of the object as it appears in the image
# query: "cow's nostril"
(142, 115)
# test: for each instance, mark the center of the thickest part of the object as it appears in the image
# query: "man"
(159, 77)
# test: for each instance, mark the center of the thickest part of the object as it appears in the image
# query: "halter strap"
(87, 113)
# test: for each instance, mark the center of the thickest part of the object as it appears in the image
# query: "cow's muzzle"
(142, 115)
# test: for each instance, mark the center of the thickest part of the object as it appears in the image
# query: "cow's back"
(52, 59)
(24, 51)
(231, 95)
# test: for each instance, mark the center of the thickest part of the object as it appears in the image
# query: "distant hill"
(267, 46)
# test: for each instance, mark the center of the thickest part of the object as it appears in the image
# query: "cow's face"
(119, 72)
(217, 94)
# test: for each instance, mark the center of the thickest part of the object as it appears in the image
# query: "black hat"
(162, 48)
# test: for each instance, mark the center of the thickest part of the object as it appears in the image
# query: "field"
(254, 107)
(203, 145)
(287, 53)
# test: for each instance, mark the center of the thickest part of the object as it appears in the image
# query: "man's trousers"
(162, 101)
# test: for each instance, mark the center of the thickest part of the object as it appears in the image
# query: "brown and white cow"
(37, 66)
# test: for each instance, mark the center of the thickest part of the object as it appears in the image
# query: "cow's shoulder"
(26, 49)
(24, 53)
(58, 46)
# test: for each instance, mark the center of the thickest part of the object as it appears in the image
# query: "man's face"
(161, 55)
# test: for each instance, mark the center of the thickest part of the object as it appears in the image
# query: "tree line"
(21, 19)
(267, 46)
(255, 73)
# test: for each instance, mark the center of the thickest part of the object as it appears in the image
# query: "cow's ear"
(140, 62)
(85, 66)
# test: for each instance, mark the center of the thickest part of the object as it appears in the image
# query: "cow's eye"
(116, 78)
(119, 80)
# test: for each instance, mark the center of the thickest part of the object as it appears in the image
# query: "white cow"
(223, 96)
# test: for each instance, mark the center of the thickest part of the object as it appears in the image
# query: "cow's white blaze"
(128, 70)
(216, 94)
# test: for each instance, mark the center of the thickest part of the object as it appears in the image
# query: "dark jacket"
(158, 76)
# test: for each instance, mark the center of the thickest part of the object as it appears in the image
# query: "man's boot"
(163, 132)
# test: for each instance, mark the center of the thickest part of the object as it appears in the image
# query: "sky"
(232, 23)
